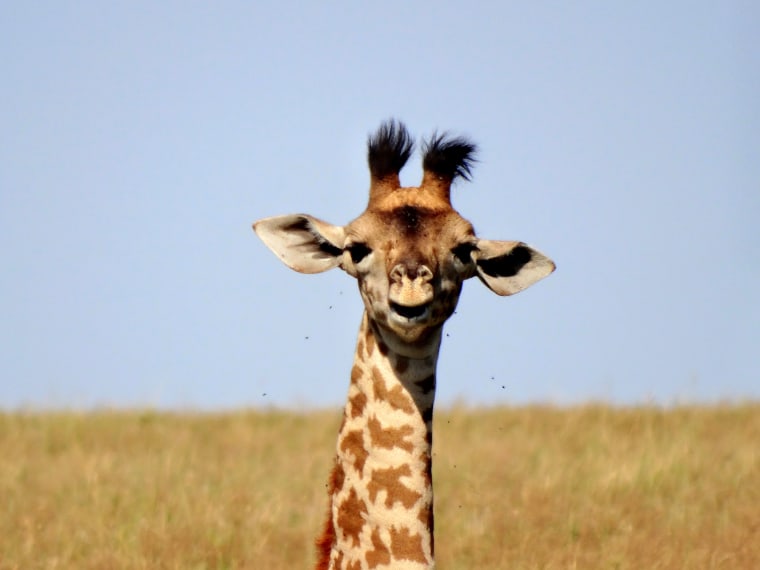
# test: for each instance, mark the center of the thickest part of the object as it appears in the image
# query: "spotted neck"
(381, 490)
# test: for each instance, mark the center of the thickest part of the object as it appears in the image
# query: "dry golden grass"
(520, 488)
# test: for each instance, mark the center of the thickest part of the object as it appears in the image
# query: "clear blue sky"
(139, 140)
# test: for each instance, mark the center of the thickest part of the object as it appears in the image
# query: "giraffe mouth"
(410, 313)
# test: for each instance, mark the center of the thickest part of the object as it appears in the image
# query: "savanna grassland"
(589, 487)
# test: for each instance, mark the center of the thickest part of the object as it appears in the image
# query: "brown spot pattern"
(390, 437)
(431, 529)
(353, 443)
(426, 515)
(396, 397)
(337, 478)
(427, 472)
(358, 402)
(407, 546)
(390, 480)
(379, 553)
(327, 540)
(427, 417)
(350, 519)
(426, 384)
(356, 373)
(369, 342)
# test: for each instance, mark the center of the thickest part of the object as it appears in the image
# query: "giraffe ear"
(508, 267)
(302, 242)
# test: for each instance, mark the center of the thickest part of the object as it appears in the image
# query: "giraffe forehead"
(411, 225)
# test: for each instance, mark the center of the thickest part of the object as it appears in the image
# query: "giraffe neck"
(381, 489)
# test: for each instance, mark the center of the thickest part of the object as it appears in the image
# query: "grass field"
(590, 487)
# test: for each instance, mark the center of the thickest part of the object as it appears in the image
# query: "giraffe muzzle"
(410, 299)
(411, 293)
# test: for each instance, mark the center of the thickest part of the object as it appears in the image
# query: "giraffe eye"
(462, 252)
(358, 251)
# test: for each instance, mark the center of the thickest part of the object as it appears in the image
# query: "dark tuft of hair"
(389, 149)
(449, 157)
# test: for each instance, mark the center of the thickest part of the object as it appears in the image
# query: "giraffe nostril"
(424, 273)
(411, 270)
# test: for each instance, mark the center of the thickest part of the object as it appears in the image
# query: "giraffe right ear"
(508, 267)
(303, 242)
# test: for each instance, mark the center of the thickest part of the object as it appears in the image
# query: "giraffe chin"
(412, 340)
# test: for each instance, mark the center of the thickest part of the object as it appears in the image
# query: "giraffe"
(410, 253)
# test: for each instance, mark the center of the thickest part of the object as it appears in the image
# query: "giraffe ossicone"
(410, 252)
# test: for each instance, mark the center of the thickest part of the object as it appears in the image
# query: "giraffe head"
(410, 251)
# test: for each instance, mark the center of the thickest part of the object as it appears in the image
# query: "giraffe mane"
(389, 149)
(449, 157)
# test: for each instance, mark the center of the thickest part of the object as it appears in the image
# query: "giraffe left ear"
(508, 267)
(304, 243)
